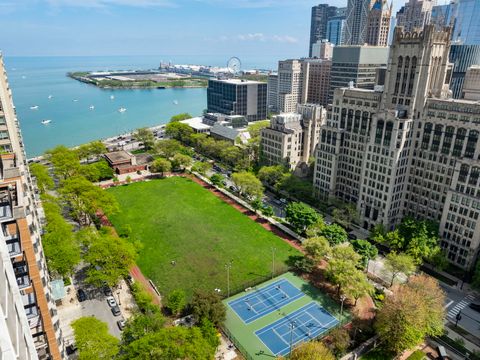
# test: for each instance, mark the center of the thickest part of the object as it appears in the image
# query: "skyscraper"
(467, 23)
(29, 326)
(415, 14)
(336, 27)
(290, 80)
(356, 25)
(378, 25)
(318, 26)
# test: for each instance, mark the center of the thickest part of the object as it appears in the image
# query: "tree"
(44, 181)
(312, 350)
(94, 148)
(61, 248)
(317, 247)
(414, 310)
(168, 148)
(340, 341)
(109, 258)
(358, 286)
(85, 199)
(345, 215)
(161, 165)
(271, 175)
(231, 155)
(176, 301)
(256, 204)
(342, 266)
(399, 263)
(170, 343)
(179, 131)
(248, 184)
(300, 216)
(181, 161)
(217, 179)
(366, 250)
(201, 167)
(180, 117)
(145, 136)
(267, 211)
(140, 324)
(316, 228)
(335, 234)
(302, 264)
(93, 339)
(208, 305)
(65, 162)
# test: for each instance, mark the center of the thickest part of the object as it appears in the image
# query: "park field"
(179, 221)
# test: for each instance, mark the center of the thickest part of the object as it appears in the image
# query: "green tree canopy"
(93, 339)
(345, 215)
(366, 250)
(170, 343)
(145, 136)
(317, 247)
(312, 350)
(44, 181)
(161, 165)
(399, 263)
(179, 131)
(414, 311)
(217, 179)
(300, 216)
(168, 147)
(140, 324)
(201, 167)
(180, 117)
(109, 258)
(94, 148)
(271, 175)
(65, 161)
(358, 286)
(342, 266)
(316, 228)
(340, 340)
(248, 184)
(335, 234)
(181, 161)
(208, 305)
(176, 301)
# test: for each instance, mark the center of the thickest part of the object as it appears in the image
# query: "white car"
(111, 301)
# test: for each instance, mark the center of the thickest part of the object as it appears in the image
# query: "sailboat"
(175, 102)
(122, 110)
(46, 122)
(50, 96)
(92, 107)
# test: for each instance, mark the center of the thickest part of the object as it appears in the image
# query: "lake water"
(33, 79)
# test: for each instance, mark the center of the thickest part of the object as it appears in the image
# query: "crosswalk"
(452, 313)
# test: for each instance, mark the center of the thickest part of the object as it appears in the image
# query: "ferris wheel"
(234, 65)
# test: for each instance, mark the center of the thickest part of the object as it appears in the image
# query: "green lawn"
(178, 220)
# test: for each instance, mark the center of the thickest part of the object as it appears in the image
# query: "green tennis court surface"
(279, 314)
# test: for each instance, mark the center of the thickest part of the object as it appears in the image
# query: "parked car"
(352, 236)
(121, 324)
(107, 291)
(111, 301)
(474, 306)
(81, 295)
(233, 188)
(116, 310)
(71, 349)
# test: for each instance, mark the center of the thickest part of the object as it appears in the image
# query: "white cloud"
(262, 38)
(106, 3)
(252, 37)
(285, 39)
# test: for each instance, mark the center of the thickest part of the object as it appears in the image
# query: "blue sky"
(279, 28)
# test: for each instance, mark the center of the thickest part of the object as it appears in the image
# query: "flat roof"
(196, 123)
(58, 289)
(239, 81)
(118, 156)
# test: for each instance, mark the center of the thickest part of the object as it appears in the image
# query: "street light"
(118, 294)
(292, 326)
(273, 261)
(228, 266)
(342, 299)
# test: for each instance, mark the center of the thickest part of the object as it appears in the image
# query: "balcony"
(14, 247)
(21, 274)
(5, 211)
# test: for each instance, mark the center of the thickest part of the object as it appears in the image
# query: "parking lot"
(95, 305)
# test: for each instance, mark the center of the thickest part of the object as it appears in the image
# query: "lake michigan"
(34, 79)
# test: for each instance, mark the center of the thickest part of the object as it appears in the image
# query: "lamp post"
(228, 266)
(118, 295)
(342, 299)
(273, 261)
(292, 326)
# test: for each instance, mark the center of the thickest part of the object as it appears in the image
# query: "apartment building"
(316, 81)
(237, 97)
(290, 139)
(356, 22)
(407, 148)
(272, 92)
(29, 326)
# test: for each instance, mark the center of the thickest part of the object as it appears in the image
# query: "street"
(458, 301)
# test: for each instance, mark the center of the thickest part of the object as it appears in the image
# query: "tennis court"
(264, 321)
(305, 324)
(265, 300)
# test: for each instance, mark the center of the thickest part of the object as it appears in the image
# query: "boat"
(24, 77)
(112, 97)
(122, 110)
(34, 107)
(46, 122)
(175, 102)
(75, 100)
(50, 96)
(91, 107)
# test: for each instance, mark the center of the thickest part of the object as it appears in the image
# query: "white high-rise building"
(289, 85)
(415, 14)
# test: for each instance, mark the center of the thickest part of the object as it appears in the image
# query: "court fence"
(237, 344)
(256, 281)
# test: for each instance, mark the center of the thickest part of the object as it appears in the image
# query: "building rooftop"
(196, 123)
(239, 81)
(58, 289)
(224, 131)
(118, 157)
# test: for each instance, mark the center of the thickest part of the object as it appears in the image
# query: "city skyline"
(186, 27)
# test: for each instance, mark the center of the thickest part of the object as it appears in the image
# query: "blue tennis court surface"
(302, 325)
(261, 302)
